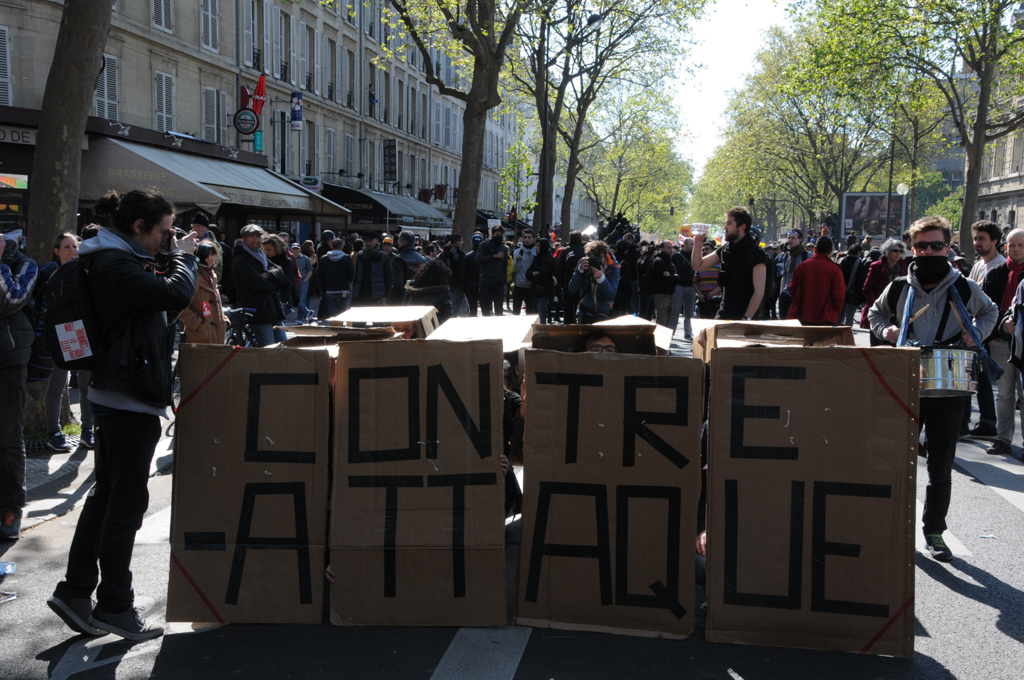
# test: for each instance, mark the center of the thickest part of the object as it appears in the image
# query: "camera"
(180, 233)
(595, 262)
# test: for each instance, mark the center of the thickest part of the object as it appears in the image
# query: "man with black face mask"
(932, 282)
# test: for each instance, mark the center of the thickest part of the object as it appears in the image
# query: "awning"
(374, 207)
(187, 179)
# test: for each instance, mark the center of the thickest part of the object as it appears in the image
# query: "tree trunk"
(35, 413)
(67, 100)
(975, 148)
(474, 132)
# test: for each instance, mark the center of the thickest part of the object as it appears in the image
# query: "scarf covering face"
(1011, 284)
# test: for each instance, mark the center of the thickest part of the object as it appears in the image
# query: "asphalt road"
(969, 619)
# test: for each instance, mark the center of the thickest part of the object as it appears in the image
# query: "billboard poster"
(296, 116)
(864, 213)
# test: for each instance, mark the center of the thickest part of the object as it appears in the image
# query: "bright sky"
(728, 38)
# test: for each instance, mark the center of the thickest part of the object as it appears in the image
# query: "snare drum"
(949, 371)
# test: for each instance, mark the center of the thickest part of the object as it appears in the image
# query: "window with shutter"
(314, 149)
(349, 153)
(106, 88)
(316, 62)
(266, 57)
(286, 147)
(277, 141)
(447, 127)
(210, 114)
(303, 135)
(164, 102)
(331, 161)
(6, 93)
(303, 54)
(224, 116)
(326, 78)
(437, 122)
(340, 83)
(248, 30)
(293, 45)
(207, 23)
(162, 15)
(278, 37)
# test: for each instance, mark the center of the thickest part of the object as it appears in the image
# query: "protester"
(684, 297)
(65, 249)
(855, 272)
(817, 289)
(257, 281)
(773, 282)
(455, 259)
(387, 246)
(471, 276)
(663, 280)
(744, 267)
(1000, 284)
(336, 273)
(322, 248)
(987, 236)
(204, 320)
(564, 268)
(597, 342)
(596, 283)
(276, 250)
(134, 293)
(795, 255)
(410, 259)
(880, 274)
(491, 259)
(931, 281)
(304, 266)
(522, 258)
(541, 275)
(709, 293)
(18, 275)
(201, 225)
(429, 287)
(624, 294)
(374, 277)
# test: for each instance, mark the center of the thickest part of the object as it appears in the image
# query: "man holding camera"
(596, 282)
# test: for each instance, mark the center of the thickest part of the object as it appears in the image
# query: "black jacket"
(136, 305)
(286, 289)
(684, 271)
(470, 273)
(16, 317)
(252, 290)
(541, 276)
(438, 297)
(336, 272)
(661, 284)
(993, 286)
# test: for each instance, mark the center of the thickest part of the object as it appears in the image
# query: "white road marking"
(156, 529)
(958, 548)
(1002, 474)
(483, 654)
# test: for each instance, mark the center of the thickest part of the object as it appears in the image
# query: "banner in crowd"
(417, 510)
(612, 474)
(811, 493)
(250, 486)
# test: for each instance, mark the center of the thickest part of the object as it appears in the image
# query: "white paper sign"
(74, 343)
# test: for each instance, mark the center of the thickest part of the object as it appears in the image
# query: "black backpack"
(771, 284)
(72, 328)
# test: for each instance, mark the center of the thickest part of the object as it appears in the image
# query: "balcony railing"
(257, 59)
(309, 81)
(284, 70)
(330, 91)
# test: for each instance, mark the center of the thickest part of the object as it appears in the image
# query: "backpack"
(771, 283)
(71, 328)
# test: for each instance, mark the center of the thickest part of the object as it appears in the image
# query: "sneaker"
(128, 624)
(58, 442)
(999, 448)
(983, 432)
(938, 548)
(10, 525)
(88, 440)
(77, 613)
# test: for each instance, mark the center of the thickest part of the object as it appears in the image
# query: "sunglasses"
(934, 246)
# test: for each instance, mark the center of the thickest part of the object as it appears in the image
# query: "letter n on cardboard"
(250, 486)
(811, 490)
(612, 460)
(417, 510)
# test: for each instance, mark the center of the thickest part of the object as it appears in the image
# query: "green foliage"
(515, 178)
(950, 207)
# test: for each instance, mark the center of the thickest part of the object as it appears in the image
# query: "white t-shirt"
(981, 268)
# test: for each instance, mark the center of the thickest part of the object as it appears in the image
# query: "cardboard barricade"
(612, 474)
(662, 334)
(250, 486)
(514, 331)
(630, 339)
(811, 493)
(763, 334)
(412, 321)
(417, 510)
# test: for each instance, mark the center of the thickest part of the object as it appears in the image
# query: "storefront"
(389, 212)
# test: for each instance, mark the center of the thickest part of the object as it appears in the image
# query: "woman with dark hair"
(65, 249)
(541, 275)
(277, 252)
(140, 277)
(429, 286)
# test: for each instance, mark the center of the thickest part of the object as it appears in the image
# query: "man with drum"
(951, 300)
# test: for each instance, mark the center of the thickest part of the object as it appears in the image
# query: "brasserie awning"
(391, 210)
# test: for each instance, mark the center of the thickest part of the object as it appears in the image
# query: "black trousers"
(125, 443)
(12, 442)
(491, 294)
(519, 296)
(472, 297)
(940, 420)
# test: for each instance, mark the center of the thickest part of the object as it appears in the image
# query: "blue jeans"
(303, 291)
(683, 300)
(540, 305)
(337, 303)
(265, 334)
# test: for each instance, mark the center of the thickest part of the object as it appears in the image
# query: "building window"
(349, 154)
(211, 36)
(277, 142)
(210, 114)
(164, 104)
(278, 57)
(106, 87)
(162, 15)
(284, 147)
(6, 94)
(437, 124)
(331, 160)
(305, 77)
(447, 127)
(248, 30)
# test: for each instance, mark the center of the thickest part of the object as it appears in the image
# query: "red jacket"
(818, 291)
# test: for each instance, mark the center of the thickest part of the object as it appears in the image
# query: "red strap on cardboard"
(207, 379)
(207, 602)
(888, 389)
(887, 626)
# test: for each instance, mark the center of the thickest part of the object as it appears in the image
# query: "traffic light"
(671, 211)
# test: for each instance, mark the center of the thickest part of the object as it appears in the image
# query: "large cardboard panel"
(762, 334)
(612, 460)
(662, 334)
(417, 513)
(413, 321)
(811, 491)
(631, 339)
(514, 331)
(250, 486)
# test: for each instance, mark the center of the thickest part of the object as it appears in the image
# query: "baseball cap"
(478, 238)
(296, 246)
(388, 239)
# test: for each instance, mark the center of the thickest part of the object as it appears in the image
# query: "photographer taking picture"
(135, 298)
(596, 282)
